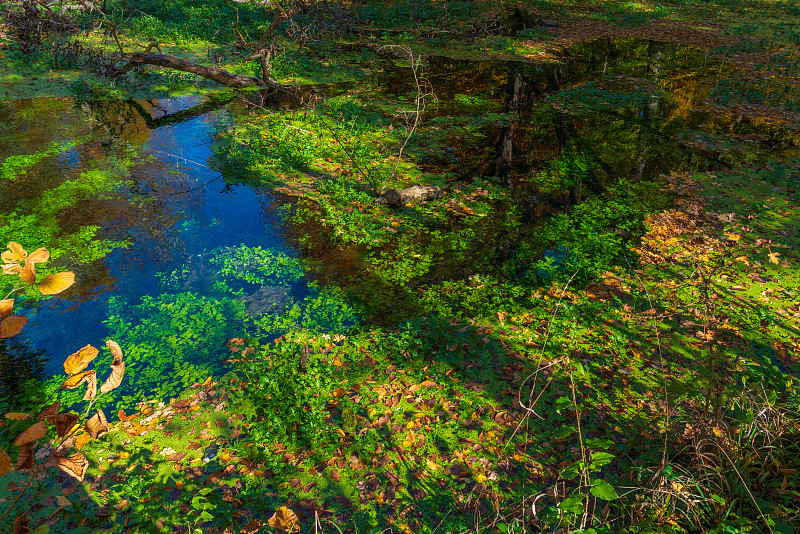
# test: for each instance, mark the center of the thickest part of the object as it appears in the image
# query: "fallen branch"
(212, 73)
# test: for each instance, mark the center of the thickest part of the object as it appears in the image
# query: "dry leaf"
(117, 368)
(64, 423)
(21, 524)
(34, 432)
(75, 466)
(15, 252)
(11, 268)
(5, 463)
(28, 275)
(56, 283)
(12, 325)
(284, 520)
(50, 413)
(17, 416)
(25, 457)
(90, 377)
(78, 361)
(40, 255)
(773, 257)
(6, 305)
(97, 425)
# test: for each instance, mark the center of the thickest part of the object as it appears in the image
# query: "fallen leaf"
(6, 305)
(284, 520)
(17, 416)
(24, 457)
(773, 257)
(5, 463)
(21, 524)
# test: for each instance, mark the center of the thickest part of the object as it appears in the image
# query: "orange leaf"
(17, 416)
(5, 463)
(15, 252)
(28, 275)
(90, 377)
(36, 431)
(11, 268)
(56, 283)
(284, 520)
(12, 325)
(6, 306)
(78, 361)
(97, 425)
(50, 413)
(117, 368)
(75, 466)
(22, 524)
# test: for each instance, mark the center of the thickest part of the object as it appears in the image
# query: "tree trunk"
(212, 73)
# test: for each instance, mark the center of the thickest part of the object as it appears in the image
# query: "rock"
(546, 23)
(268, 299)
(415, 193)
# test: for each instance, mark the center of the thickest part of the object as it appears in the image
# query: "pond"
(186, 256)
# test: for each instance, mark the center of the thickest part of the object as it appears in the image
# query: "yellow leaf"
(284, 520)
(40, 255)
(56, 283)
(12, 325)
(36, 431)
(733, 237)
(6, 306)
(11, 268)
(77, 361)
(480, 478)
(90, 377)
(17, 416)
(5, 463)
(15, 252)
(773, 257)
(28, 275)
(63, 501)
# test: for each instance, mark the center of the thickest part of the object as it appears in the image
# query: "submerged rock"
(268, 299)
(415, 193)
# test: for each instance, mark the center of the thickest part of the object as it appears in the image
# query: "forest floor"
(657, 396)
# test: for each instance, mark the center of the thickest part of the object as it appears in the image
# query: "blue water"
(187, 208)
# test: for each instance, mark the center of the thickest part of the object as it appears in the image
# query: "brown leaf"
(40, 255)
(178, 456)
(6, 305)
(17, 416)
(15, 252)
(56, 283)
(117, 368)
(5, 463)
(36, 431)
(21, 524)
(77, 361)
(12, 325)
(252, 527)
(75, 465)
(97, 425)
(64, 423)
(50, 413)
(90, 377)
(25, 457)
(28, 275)
(284, 520)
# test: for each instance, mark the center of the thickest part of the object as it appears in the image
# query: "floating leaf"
(97, 425)
(50, 413)
(17, 416)
(56, 283)
(6, 306)
(12, 325)
(36, 431)
(25, 457)
(117, 368)
(284, 520)
(64, 423)
(78, 361)
(15, 252)
(75, 465)
(5, 463)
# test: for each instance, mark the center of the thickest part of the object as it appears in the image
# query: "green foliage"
(181, 336)
(254, 266)
(14, 167)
